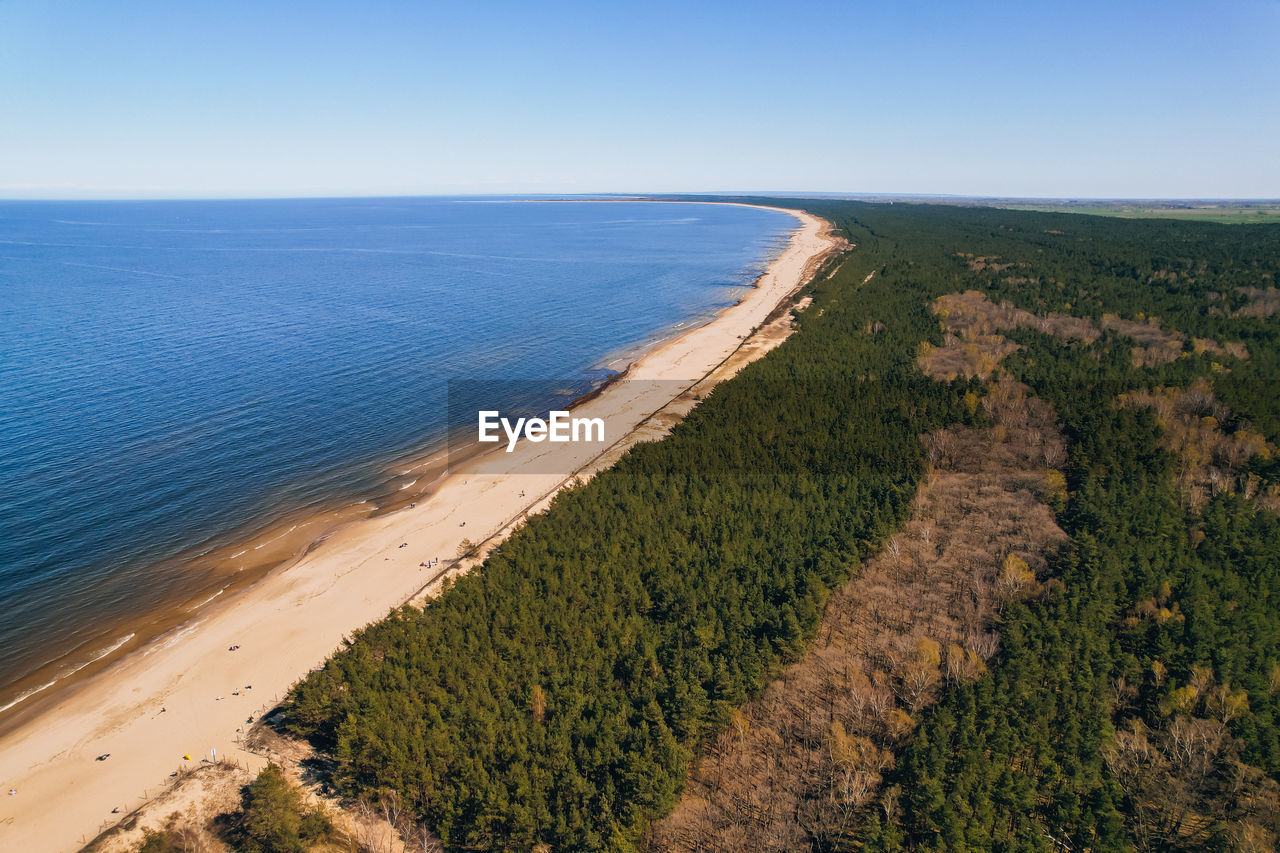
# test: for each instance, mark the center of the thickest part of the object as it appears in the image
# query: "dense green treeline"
(1195, 277)
(556, 694)
(1135, 705)
(1015, 761)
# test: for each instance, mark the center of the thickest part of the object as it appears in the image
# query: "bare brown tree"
(799, 767)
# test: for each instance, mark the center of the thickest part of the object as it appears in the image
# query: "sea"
(194, 392)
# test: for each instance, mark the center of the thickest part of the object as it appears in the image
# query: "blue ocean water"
(174, 373)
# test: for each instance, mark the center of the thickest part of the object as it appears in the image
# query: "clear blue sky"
(1126, 98)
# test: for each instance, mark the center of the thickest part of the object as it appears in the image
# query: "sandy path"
(178, 696)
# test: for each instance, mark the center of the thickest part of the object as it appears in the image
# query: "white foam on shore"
(177, 635)
(99, 655)
(206, 601)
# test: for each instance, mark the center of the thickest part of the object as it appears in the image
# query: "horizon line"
(824, 194)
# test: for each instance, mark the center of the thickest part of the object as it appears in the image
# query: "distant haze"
(1090, 99)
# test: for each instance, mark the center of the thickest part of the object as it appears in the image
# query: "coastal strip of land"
(185, 699)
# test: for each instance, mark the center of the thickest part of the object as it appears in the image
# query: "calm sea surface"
(173, 374)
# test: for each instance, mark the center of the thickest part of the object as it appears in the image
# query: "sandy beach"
(191, 691)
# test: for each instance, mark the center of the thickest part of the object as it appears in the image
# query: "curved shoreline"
(192, 694)
(180, 586)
